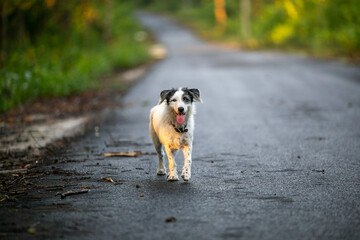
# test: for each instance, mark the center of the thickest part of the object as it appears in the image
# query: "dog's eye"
(173, 100)
(186, 99)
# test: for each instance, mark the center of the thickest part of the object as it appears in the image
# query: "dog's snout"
(181, 109)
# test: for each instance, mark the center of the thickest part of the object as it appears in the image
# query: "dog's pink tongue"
(180, 119)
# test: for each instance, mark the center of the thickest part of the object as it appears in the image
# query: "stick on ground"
(127, 154)
(71, 192)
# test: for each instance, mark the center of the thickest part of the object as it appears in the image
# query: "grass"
(60, 63)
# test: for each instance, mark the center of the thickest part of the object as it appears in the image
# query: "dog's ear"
(195, 93)
(165, 94)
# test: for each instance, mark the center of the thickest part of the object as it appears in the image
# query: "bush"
(324, 27)
(56, 48)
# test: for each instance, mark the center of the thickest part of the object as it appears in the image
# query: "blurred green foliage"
(56, 47)
(321, 27)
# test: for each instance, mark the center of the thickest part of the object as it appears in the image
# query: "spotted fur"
(167, 133)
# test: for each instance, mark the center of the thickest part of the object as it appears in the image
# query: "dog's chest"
(176, 140)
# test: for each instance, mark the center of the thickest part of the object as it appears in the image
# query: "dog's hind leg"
(173, 175)
(158, 147)
(186, 171)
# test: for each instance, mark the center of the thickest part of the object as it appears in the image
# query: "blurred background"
(59, 48)
(325, 27)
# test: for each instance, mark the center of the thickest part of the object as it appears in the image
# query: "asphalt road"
(276, 153)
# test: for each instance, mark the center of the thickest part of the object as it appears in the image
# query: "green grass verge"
(59, 62)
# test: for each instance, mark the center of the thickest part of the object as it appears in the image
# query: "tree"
(245, 14)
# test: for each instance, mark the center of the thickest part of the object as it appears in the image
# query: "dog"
(172, 126)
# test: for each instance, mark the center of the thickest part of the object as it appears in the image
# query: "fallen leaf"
(170, 219)
(121, 154)
(10, 119)
(31, 230)
(27, 118)
(107, 179)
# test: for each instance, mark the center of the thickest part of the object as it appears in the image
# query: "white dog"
(172, 126)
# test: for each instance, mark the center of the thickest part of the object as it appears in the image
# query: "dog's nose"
(181, 109)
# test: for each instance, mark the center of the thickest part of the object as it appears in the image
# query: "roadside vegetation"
(59, 48)
(325, 28)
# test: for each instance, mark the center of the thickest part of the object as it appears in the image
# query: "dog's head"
(180, 99)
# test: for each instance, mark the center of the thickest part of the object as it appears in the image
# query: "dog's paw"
(186, 174)
(173, 177)
(161, 171)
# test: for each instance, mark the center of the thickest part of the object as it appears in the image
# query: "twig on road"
(12, 171)
(127, 154)
(71, 192)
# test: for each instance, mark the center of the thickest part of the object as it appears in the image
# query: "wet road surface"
(276, 155)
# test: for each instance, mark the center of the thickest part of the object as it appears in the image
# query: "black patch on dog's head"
(167, 94)
(193, 93)
(187, 97)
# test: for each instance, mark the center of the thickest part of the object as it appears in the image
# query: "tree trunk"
(108, 20)
(4, 26)
(245, 18)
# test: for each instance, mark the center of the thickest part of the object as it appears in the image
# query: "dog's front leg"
(161, 169)
(173, 176)
(186, 171)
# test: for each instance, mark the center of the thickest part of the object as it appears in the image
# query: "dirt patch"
(41, 127)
